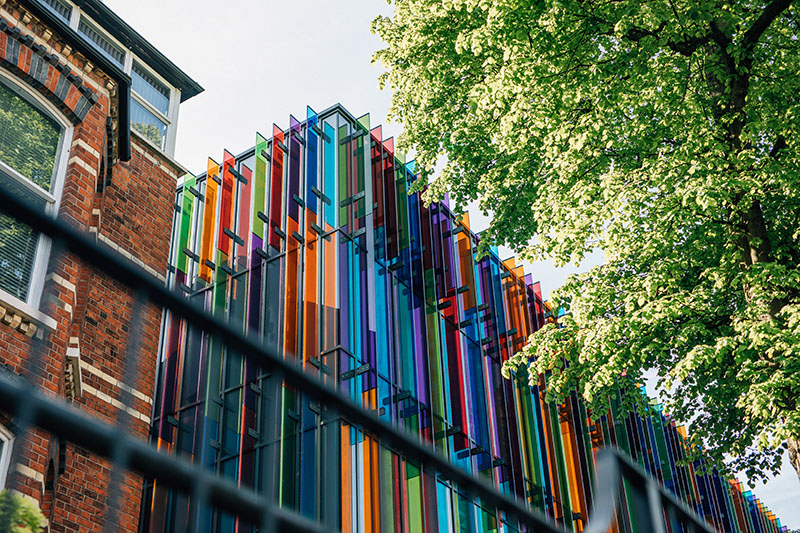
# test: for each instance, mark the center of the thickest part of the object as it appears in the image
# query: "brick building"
(88, 116)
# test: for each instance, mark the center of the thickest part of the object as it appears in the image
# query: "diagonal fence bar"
(110, 442)
(652, 501)
(132, 275)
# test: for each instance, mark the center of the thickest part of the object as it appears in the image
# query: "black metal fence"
(651, 507)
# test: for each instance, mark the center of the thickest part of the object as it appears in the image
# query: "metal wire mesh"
(654, 508)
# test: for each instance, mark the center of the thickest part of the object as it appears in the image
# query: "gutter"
(87, 49)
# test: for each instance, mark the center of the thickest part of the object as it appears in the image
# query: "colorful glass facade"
(311, 240)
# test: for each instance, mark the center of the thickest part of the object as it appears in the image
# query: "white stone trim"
(72, 370)
(75, 160)
(83, 144)
(27, 472)
(116, 403)
(61, 281)
(46, 43)
(59, 303)
(114, 382)
(116, 247)
(25, 310)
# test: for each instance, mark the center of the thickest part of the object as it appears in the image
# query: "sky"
(260, 61)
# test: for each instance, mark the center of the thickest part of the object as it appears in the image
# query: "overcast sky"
(260, 61)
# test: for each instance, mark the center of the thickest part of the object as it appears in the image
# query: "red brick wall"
(134, 214)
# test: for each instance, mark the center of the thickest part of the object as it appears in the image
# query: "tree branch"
(780, 144)
(763, 22)
(723, 41)
(685, 48)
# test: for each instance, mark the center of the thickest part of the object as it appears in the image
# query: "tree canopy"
(664, 133)
(19, 514)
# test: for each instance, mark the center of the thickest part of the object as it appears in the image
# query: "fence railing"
(617, 479)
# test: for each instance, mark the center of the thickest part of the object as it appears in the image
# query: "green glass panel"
(364, 121)
(414, 487)
(401, 185)
(187, 207)
(260, 194)
(360, 207)
(387, 490)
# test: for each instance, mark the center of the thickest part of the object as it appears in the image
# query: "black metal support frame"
(651, 504)
(31, 407)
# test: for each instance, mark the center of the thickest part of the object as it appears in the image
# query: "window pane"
(148, 124)
(28, 139)
(114, 52)
(61, 8)
(150, 88)
(17, 243)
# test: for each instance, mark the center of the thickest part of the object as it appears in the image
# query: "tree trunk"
(794, 454)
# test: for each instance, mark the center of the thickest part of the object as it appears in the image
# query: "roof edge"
(80, 44)
(132, 39)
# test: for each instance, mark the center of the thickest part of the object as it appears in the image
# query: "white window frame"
(171, 119)
(68, 20)
(76, 20)
(53, 198)
(5, 456)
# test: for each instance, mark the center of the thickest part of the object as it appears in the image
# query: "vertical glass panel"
(260, 187)
(329, 169)
(187, 208)
(224, 242)
(209, 217)
(243, 224)
(276, 188)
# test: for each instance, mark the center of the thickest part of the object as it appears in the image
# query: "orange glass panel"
(224, 242)
(276, 188)
(209, 215)
(310, 300)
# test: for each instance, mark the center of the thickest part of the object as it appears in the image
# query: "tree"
(151, 132)
(663, 132)
(19, 514)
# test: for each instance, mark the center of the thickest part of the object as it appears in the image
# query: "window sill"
(161, 153)
(22, 316)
